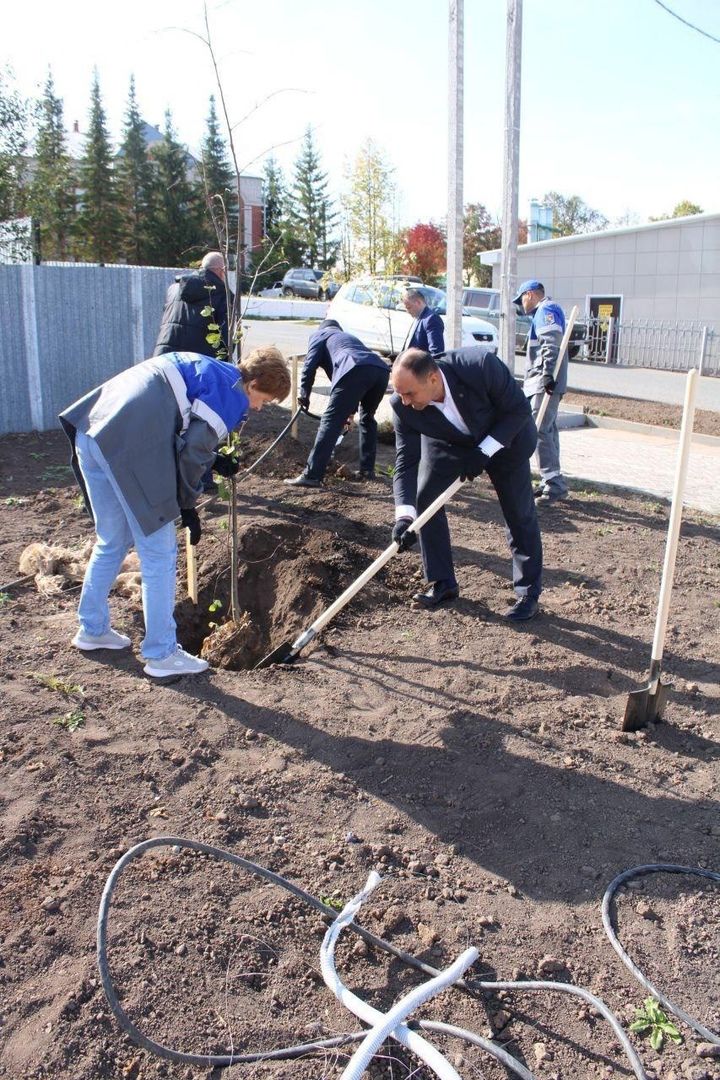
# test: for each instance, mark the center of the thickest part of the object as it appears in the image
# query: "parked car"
(372, 309)
(485, 303)
(312, 284)
(273, 291)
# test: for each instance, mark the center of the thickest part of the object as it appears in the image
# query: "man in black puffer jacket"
(183, 328)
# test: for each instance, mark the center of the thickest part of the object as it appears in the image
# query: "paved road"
(664, 386)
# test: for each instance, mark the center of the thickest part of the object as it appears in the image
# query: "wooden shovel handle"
(561, 356)
(673, 535)
(191, 560)
(330, 613)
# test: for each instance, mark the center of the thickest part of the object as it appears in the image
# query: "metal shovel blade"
(645, 706)
(282, 655)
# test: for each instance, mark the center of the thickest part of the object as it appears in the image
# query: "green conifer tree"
(13, 125)
(135, 186)
(217, 178)
(52, 195)
(176, 232)
(99, 219)
(271, 256)
(310, 217)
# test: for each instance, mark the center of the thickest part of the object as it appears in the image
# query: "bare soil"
(644, 412)
(480, 767)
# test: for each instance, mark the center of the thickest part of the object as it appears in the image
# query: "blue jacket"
(157, 425)
(427, 333)
(336, 353)
(546, 330)
(488, 399)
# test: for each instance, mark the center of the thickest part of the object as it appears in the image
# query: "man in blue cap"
(543, 347)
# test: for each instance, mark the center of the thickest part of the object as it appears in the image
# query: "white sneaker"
(109, 640)
(177, 663)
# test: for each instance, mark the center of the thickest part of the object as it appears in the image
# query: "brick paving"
(644, 462)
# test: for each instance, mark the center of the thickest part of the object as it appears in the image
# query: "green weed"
(71, 721)
(15, 500)
(4, 598)
(651, 1021)
(333, 902)
(68, 689)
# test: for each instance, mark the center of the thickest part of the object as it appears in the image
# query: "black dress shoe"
(438, 592)
(303, 481)
(524, 608)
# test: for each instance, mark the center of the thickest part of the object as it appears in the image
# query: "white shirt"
(449, 409)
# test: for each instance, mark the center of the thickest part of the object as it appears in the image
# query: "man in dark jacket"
(183, 327)
(428, 330)
(461, 415)
(358, 378)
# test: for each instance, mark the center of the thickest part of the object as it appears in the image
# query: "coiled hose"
(471, 985)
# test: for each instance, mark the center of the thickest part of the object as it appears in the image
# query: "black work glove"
(474, 468)
(401, 536)
(304, 402)
(548, 383)
(191, 521)
(226, 465)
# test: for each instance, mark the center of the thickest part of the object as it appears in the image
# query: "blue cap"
(526, 287)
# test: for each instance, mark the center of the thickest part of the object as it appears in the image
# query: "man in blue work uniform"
(358, 379)
(428, 330)
(543, 347)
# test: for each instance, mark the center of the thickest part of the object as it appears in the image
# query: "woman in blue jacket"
(141, 443)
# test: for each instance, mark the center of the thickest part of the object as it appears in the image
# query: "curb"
(653, 430)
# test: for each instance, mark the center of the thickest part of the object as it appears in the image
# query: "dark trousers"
(363, 386)
(509, 473)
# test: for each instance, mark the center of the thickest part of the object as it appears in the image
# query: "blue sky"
(620, 102)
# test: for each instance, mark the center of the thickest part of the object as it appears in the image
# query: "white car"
(372, 310)
(273, 291)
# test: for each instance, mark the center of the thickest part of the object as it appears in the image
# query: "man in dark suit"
(428, 330)
(461, 415)
(358, 378)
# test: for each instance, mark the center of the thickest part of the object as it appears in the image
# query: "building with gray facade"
(665, 271)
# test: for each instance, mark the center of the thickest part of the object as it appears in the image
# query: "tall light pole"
(511, 170)
(453, 323)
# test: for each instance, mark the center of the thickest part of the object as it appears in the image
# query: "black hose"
(628, 875)
(471, 985)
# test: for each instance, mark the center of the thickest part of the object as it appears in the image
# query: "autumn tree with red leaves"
(424, 252)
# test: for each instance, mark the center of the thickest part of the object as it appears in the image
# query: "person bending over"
(141, 443)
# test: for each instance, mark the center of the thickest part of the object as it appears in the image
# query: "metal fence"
(65, 328)
(665, 346)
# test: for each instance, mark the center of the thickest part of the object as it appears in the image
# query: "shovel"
(287, 652)
(648, 704)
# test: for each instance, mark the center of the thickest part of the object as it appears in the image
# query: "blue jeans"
(117, 529)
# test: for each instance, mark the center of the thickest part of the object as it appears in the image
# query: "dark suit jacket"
(336, 353)
(427, 333)
(486, 396)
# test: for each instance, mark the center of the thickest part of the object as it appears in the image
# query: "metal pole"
(453, 323)
(511, 169)
(609, 340)
(703, 349)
